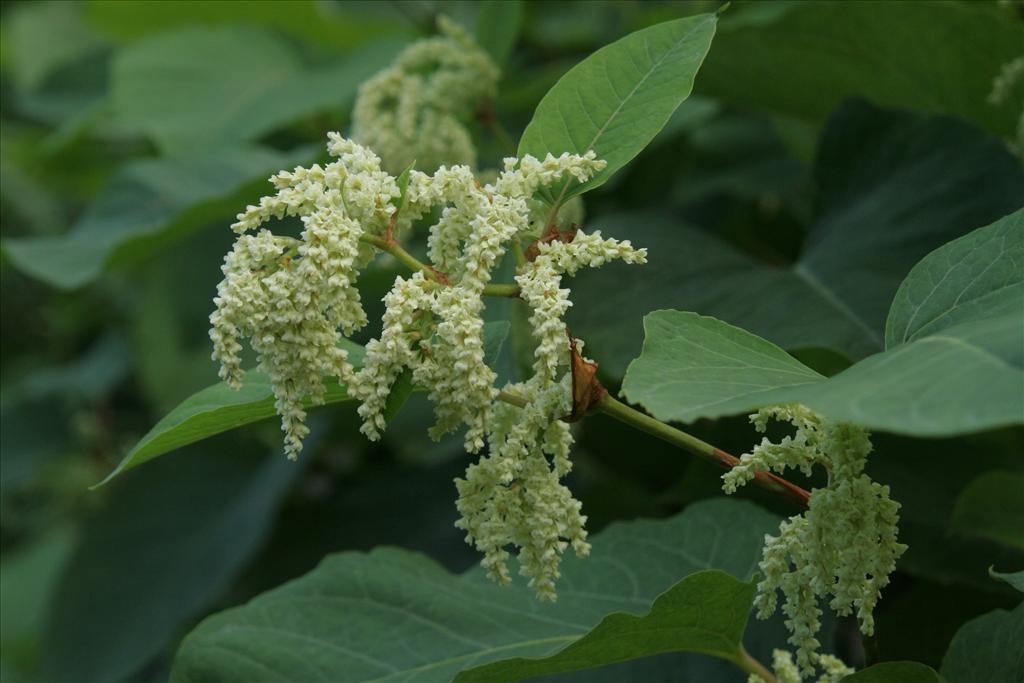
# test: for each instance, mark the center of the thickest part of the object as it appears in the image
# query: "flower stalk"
(634, 418)
(412, 263)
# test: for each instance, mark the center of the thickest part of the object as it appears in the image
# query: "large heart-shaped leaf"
(167, 542)
(987, 649)
(891, 187)
(991, 507)
(976, 277)
(166, 87)
(147, 201)
(801, 59)
(616, 100)
(706, 612)
(953, 531)
(342, 621)
(963, 373)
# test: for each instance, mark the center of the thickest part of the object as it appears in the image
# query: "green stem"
(645, 423)
(411, 262)
(513, 399)
(677, 437)
(752, 666)
(517, 251)
(510, 290)
(608, 405)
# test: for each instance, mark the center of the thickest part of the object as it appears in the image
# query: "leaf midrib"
(804, 273)
(654, 67)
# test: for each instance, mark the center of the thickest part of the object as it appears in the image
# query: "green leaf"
(219, 408)
(977, 276)
(891, 187)
(341, 621)
(617, 99)
(495, 334)
(169, 540)
(1015, 579)
(801, 59)
(987, 649)
(992, 507)
(28, 577)
(147, 202)
(959, 379)
(706, 612)
(204, 88)
(308, 20)
(927, 477)
(42, 37)
(896, 672)
(693, 366)
(497, 27)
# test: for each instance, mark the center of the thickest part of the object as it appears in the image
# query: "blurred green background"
(132, 132)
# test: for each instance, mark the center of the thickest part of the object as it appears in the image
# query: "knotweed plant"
(409, 170)
(294, 299)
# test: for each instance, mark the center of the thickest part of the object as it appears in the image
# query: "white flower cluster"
(514, 496)
(414, 109)
(295, 298)
(292, 298)
(844, 547)
(787, 672)
(472, 234)
(539, 285)
(1010, 75)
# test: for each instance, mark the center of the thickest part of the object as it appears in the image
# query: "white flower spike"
(843, 549)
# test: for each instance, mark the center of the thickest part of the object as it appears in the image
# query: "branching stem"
(411, 262)
(517, 251)
(608, 405)
(677, 437)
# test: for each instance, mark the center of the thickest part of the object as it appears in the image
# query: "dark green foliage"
(833, 217)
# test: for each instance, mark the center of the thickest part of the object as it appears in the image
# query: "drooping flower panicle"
(415, 109)
(540, 287)
(843, 549)
(295, 298)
